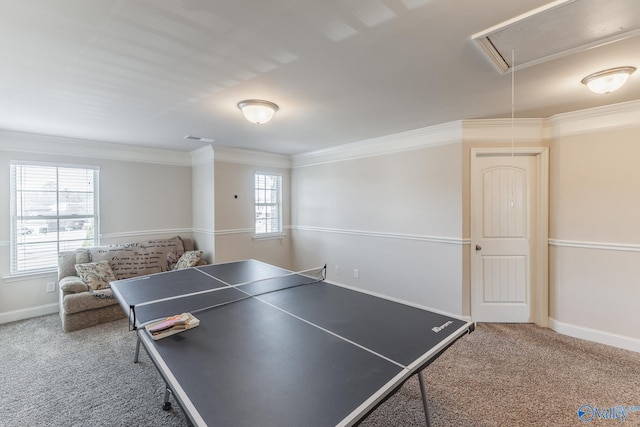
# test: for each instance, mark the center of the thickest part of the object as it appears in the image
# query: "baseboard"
(27, 313)
(594, 335)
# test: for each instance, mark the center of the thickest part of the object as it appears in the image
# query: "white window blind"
(268, 204)
(53, 209)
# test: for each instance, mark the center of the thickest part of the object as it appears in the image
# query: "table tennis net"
(151, 311)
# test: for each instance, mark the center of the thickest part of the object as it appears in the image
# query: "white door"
(502, 206)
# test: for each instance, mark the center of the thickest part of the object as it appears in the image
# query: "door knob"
(478, 247)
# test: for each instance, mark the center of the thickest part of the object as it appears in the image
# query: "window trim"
(14, 218)
(273, 234)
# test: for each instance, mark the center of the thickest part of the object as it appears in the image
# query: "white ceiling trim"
(253, 158)
(202, 155)
(505, 130)
(448, 133)
(601, 119)
(44, 144)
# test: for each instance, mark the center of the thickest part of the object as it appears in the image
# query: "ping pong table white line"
(332, 333)
(185, 398)
(172, 382)
(366, 406)
(227, 286)
(402, 376)
(179, 391)
(193, 412)
(405, 373)
(257, 297)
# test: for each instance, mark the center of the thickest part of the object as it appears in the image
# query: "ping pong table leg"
(167, 403)
(424, 398)
(135, 357)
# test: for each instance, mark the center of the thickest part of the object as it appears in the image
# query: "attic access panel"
(558, 29)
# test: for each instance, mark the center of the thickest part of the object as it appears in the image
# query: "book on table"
(171, 325)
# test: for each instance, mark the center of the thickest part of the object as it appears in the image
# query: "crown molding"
(624, 115)
(599, 119)
(447, 133)
(203, 155)
(44, 144)
(252, 158)
(533, 130)
(505, 130)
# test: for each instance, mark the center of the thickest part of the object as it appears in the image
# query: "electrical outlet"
(356, 273)
(337, 269)
(51, 286)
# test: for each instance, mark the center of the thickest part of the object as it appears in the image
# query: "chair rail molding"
(625, 247)
(385, 235)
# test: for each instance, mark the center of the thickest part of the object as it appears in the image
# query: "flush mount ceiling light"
(608, 80)
(257, 111)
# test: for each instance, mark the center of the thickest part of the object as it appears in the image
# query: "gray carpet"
(515, 375)
(82, 378)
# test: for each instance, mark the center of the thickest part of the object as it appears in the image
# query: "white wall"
(395, 208)
(395, 216)
(142, 195)
(203, 201)
(358, 207)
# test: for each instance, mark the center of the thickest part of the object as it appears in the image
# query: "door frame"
(539, 243)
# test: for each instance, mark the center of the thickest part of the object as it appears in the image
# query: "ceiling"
(150, 72)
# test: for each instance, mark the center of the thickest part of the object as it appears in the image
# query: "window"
(53, 209)
(268, 204)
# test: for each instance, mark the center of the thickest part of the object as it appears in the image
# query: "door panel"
(504, 279)
(501, 233)
(503, 202)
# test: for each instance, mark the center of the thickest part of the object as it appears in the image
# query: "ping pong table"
(275, 348)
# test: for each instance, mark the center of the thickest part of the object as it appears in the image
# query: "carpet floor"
(500, 375)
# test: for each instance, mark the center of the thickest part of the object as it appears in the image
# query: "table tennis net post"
(249, 289)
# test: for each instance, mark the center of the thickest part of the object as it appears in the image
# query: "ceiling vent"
(558, 29)
(198, 138)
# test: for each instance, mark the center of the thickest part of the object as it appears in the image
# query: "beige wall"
(234, 215)
(595, 194)
(595, 235)
(137, 201)
(139, 197)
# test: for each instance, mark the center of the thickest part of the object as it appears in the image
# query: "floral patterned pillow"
(188, 259)
(96, 275)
